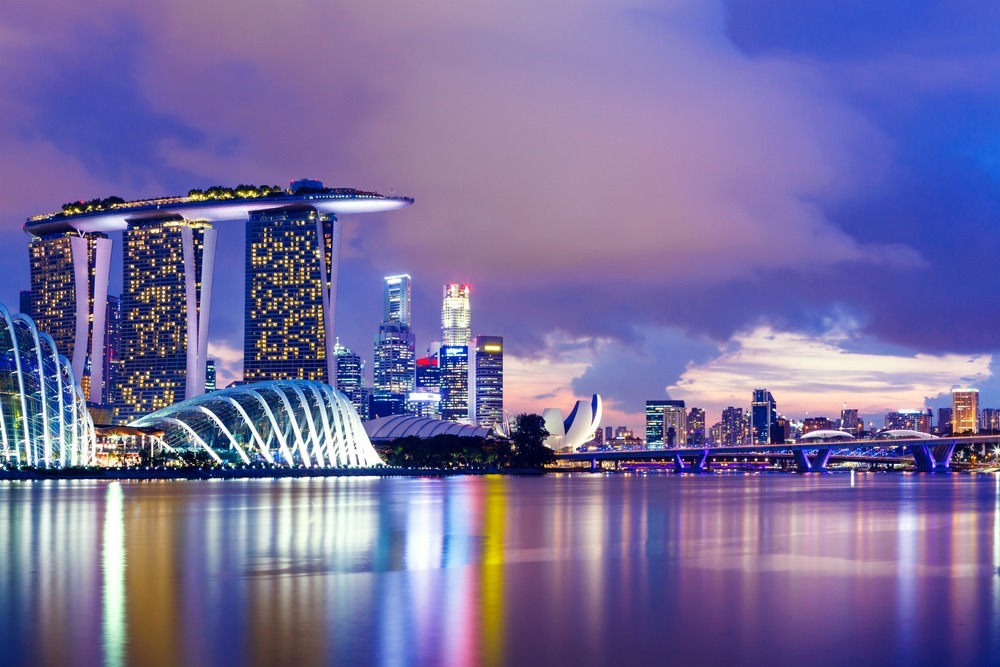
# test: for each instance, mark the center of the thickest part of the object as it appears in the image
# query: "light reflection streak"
(114, 626)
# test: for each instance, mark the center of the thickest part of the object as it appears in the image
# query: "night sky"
(649, 199)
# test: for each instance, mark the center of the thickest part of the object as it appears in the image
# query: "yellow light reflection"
(113, 568)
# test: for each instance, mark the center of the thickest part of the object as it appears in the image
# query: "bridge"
(928, 455)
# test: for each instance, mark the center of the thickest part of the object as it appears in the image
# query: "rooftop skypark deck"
(215, 204)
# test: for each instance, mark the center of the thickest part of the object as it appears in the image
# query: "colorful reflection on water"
(777, 569)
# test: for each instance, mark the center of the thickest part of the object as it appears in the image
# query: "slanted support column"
(816, 464)
(699, 464)
(933, 457)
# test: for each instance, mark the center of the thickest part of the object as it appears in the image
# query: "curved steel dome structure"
(43, 415)
(287, 422)
(403, 426)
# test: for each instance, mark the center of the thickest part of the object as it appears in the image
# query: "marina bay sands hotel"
(155, 341)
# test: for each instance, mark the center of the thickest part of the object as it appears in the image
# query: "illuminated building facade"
(397, 299)
(350, 371)
(210, 376)
(989, 420)
(488, 365)
(69, 288)
(43, 414)
(909, 420)
(696, 427)
(656, 415)
(166, 303)
(851, 422)
(944, 421)
(733, 429)
(289, 269)
(454, 363)
(810, 424)
(456, 315)
(425, 399)
(112, 350)
(763, 413)
(965, 411)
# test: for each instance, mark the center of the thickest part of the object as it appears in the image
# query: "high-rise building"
(488, 365)
(965, 411)
(763, 413)
(989, 420)
(69, 291)
(393, 369)
(733, 431)
(350, 373)
(810, 424)
(290, 294)
(911, 420)
(456, 315)
(656, 417)
(397, 299)
(454, 364)
(425, 399)
(166, 305)
(944, 421)
(850, 421)
(210, 376)
(609, 433)
(696, 427)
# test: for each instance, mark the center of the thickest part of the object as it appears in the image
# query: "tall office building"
(289, 289)
(210, 376)
(395, 350)
(965, 411)
(393, 369)
(696, 427)
(350, 371)
(425, 399)
(69, 291)
(850, 422)
(733, 429)
(944, 421)
(456, 315)
(397, 299)
(763, 413)
(658, 414)
(166, 306)
(488, 365)
(454, 364)
(989, 420)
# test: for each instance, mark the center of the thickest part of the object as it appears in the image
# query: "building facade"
(456, 315)
(454, 364)
(397, 299)
(733, 428)
(289, 282)
(662, 414)
(763, 413)
(488, 372)
(965, 411)
(696, 427)
(69, 292)
(350, 375)
(166, 306)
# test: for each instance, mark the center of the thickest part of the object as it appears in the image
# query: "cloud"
(817, 374)
(228, 362)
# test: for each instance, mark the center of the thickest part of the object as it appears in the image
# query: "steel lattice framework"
(43, 414)
(286, 422)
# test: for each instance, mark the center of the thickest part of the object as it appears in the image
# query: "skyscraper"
(69, 291)
(944, 421)
(350, 370)
(456, 322)
(733, 429)
(395, 357)
(488, 366)
(290, 286)
(397, 299)
(656, 422)
(965, 411)
(850, 422)
(113, 360)
(763, 413)
(454, 365)
(696, 427)
(456, 315)
(167, 301)
(210, 376)
(425, 399)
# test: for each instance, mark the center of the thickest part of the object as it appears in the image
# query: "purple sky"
(684, 197)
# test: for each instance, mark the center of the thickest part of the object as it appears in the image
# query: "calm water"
(727, 569)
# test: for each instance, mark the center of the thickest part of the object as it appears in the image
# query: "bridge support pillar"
(933, 458)
(815, 464)
(699, 462)
(593, 465)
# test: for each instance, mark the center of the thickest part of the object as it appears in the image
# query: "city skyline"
(633, 246)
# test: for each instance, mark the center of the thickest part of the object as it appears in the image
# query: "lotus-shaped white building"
(287, 422)
(43, 415)
(576, 429)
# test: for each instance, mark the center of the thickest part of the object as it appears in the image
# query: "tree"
(528, 436)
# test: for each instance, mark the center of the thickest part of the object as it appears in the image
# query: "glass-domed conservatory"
(43, 415)
(286, 422)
